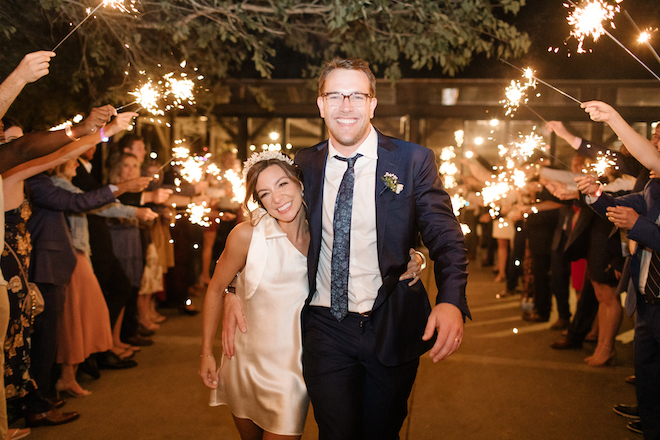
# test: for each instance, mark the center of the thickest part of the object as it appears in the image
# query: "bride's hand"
(414, 268)
(233, 317)
(208, 371)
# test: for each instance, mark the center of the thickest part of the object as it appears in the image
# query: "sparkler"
(237, 185)
(516, 93)
(644, 37)
(543, 82)
(198, 214)
(180, 89)
(147, 96)
(588, 20)
(448, 169)
(603, 161)
(116, 4)
(527, 146)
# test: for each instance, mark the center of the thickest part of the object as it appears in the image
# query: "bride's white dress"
(263, 382)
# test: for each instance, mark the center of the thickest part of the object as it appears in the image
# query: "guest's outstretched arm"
(40, 143)
(638, 145)
(31, 68)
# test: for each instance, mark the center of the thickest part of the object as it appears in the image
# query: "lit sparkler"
(199, 214)
(147, 97)
(120, 5)
(516, 93)
(180, 89)
(526, 72)
(237, 185)
(644, 36)
(588, 21)
(448, 168)
(604, 160)
(527, 146)
(76, 119)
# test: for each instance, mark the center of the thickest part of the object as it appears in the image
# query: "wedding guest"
(18, 346)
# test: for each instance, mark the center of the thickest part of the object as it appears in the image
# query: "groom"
(364, 330)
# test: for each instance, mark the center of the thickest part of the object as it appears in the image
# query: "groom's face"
(348, 125)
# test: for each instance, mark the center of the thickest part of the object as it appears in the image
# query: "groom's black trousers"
(354, 396)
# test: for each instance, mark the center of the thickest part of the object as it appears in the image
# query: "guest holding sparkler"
(638, 213)
(18, 347)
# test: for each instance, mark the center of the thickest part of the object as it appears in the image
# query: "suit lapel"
(313, 180)
(387, 163)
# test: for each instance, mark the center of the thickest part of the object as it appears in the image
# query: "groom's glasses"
(357, 99)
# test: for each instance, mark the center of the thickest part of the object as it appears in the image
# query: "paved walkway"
(501, 384)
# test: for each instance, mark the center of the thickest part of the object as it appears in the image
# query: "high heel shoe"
(60, 387)
(609, 362)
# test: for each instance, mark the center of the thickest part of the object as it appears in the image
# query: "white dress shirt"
(364, 278)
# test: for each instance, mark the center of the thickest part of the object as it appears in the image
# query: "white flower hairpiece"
(264, 155)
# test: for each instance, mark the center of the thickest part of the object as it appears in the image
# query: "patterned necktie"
(341, 244)
(653, 278)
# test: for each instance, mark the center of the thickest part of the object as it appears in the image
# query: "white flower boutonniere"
(392, 182)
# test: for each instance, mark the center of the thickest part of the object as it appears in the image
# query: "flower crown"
(264, 155)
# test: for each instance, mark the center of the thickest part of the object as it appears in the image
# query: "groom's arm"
(442, 235)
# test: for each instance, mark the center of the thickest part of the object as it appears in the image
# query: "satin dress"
(263, 382)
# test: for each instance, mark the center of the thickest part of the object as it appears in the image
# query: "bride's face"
(279, 194)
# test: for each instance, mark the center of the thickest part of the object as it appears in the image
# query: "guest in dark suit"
(640, 214)
(362, 342)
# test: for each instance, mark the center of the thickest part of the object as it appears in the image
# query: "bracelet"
(228, 290)
(423, 259)
(208, 355)
(69, 132)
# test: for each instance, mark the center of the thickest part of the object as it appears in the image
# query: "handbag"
(34, 301)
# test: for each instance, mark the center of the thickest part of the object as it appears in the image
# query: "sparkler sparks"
(180, 89)
(588, 20)
(448, 168)
(529, 72)
(199, 214)
(147, 96)
(516, 93)
(527, 146)
(121, 5)
(237, 185)
(603, 161)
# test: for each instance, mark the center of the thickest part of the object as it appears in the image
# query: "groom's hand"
(447, 319)
(232, 317)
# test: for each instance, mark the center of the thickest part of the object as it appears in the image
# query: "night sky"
(545, 22)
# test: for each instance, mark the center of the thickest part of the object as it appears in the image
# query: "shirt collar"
(368, 148)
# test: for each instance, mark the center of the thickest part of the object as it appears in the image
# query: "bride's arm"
(231, 261)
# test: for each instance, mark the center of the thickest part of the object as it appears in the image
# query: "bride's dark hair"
(292, 172)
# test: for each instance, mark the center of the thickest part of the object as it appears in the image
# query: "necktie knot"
(350, 160)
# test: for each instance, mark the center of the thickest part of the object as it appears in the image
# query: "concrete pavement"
(498, 385)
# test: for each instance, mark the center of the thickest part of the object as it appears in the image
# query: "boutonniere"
(392, 182)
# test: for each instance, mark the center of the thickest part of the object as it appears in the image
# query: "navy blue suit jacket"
(53, 256)
(645, 232)
(400, 312)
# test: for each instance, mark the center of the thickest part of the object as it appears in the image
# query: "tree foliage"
(227, 38)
